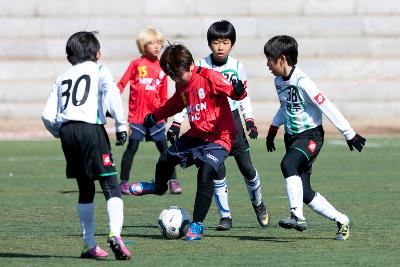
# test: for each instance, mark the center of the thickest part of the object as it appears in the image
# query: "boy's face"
(152, 49)
(221, 48)
(276, 67)
(183, 77)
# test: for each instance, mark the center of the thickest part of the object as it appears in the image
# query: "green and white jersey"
(79, 95)
(233, 69)
(302, 105)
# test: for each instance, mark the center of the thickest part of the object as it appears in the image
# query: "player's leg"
(126, 165)
(321, 205)
(173, 184)
(221, 199)
(290, 166)
(85, 209)
(253, 185)
(204, 193)
(115, 212)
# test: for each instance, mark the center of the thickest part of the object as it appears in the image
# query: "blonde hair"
(148, 35)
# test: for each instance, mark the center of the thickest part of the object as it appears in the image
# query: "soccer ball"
(173, 222)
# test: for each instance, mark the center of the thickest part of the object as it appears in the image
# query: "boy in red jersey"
(148, 91)
(203, 92)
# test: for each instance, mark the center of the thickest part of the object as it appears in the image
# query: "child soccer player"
(74, 113)
(148, 91)
(207, 143)
(221, 37)
(301, 109)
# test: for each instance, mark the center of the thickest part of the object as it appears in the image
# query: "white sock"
(294, 190)
(254, 189)
(221, 197)
(321, 206)
(86, 217)
(115, 211)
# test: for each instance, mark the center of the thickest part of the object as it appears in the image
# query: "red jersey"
(148, 88)
(205, 99)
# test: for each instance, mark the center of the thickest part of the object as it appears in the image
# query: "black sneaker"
(262, 214)
(293, 222)
(225, 224)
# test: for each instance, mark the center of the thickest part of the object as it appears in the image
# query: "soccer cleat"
(262, 214)
(93, 253)
(293, 222)
(225, 224)
(344, 230)
(124, 187)
(118, 248)
(174, 187)
(142, 188)
(195, 231)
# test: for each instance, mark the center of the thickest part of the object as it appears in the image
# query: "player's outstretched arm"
(358, 142)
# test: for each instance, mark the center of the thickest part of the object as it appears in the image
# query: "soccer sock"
(321, 206)
(86, 217)
(115, 211)
(254, 189)
(221, 197)
(294, 190)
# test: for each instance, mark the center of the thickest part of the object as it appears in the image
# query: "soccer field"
(39, 225)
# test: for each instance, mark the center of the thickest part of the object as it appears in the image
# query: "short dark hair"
(221, 29)
(82, 46)
(176, 59)
(282, 45)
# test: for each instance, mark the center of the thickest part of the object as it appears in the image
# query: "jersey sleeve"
(180, 117)
(163, 87)
(129, 72)
(173, 105)
(50, 112)
(112, 99)
(220, 85)
(279, 117)
(245, 104)
(327, 108)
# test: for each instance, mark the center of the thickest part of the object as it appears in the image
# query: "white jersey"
(79, 95)
(302, 105)
(233, 69)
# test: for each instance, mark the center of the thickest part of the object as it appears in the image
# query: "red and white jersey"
(205, 99)
(302, 106)
(79, 95)
(148, 88)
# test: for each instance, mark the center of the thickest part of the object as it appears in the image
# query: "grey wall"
(349, 47)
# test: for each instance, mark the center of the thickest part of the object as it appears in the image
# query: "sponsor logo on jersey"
(312, 146)
(201, 93)
(319, 98)
(107, 160)
(213, 158)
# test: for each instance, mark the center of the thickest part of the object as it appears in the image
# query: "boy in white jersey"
(301, 109)
(221, 37)
(74, 113)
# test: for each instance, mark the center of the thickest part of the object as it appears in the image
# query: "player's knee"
(109, 185)
(288, 167)
(206, 174)
(86, 197)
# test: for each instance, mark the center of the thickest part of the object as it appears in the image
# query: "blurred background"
(350, 48)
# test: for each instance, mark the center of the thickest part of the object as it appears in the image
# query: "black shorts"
(308, 142)
(191, 150)
(240, 144)
(87, 150)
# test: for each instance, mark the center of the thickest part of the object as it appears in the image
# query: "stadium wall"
(349, 47)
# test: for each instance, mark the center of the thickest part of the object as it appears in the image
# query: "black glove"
(108, 114)
(357, 141)
(173, 132)
(273, 130)
(149, 121)
(250, 126)
(238, 87)
(121, 138)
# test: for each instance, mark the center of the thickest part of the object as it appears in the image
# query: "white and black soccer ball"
(173, 222)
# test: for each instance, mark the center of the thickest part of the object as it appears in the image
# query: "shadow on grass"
(24, 255)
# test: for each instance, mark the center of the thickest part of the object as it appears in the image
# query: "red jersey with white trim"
(148, 88)
(205, 99)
